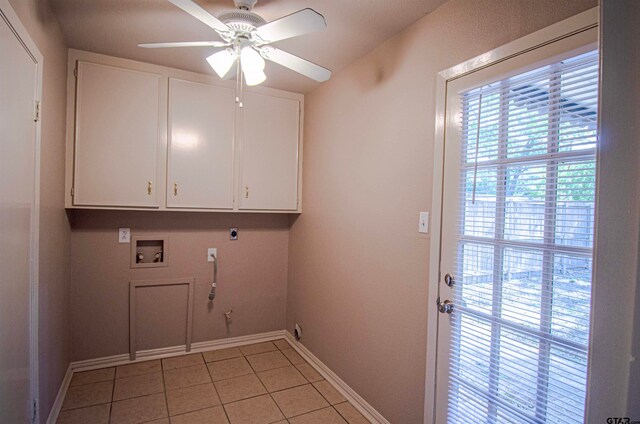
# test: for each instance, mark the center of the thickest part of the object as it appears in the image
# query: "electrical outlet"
(297, 332)
(233, 234)
(124, 235)
(211, 251)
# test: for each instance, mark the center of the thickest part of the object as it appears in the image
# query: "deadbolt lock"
(449, 280)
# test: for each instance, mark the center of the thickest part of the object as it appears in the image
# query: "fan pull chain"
(239, 84)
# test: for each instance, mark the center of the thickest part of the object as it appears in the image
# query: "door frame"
(563, 29)
(13, 21)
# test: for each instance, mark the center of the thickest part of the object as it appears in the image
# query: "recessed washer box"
(149, 251)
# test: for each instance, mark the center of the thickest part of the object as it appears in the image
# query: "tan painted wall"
(54, 323)
(252, 276)
(357, 265)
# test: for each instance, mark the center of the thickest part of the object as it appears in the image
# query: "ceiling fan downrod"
(245, 4)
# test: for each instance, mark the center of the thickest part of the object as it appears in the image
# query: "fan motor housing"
(241, 20)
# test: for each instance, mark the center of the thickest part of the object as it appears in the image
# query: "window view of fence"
(523, 295)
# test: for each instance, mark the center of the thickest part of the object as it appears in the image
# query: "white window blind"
(524, 260)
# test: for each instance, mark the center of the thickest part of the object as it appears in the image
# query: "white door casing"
(20, 88)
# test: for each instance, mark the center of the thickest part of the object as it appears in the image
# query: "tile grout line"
(113, 392)
(344, 417)
(277, 406)
(269, 394)
(164, 385)
(313, 410)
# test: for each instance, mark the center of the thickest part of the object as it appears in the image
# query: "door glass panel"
(477, 273)
(521, 287)
(517, 372)
(575, 203)
(480, 202)
(525, 191)
(571, 298)
(474, 348)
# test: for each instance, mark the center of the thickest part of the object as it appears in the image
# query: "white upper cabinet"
(201, 146)
(270, 152)
(143, 136)
(117, 131)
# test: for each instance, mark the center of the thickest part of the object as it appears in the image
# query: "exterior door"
(18, 236)
(517, 235)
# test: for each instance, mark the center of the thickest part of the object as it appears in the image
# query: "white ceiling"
(115, 27)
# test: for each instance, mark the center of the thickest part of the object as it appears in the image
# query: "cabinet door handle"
(149, 188)
(246, 192)
(175, 189)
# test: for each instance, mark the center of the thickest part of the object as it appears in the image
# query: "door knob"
(445, 307)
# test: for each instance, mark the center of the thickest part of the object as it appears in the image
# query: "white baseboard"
(368, 411)
(166, 352)
(237, 341)
(356, 400)
(57, 404)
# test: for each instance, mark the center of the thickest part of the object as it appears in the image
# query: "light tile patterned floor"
(261, 383)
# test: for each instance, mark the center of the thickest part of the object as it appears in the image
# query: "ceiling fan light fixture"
(252, 66)
(251, 59)
(255, 77)
(222, 61)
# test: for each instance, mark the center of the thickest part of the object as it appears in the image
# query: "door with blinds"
(517, 238)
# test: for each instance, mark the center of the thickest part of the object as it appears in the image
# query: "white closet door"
(201, 123)
(18, 237)
(117, 135)
(270, 145)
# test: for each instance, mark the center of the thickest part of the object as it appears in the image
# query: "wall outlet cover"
(124, 235)
(211, 251)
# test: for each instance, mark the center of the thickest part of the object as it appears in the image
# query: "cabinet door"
(117, 135)
(270, 131)
(201, 123)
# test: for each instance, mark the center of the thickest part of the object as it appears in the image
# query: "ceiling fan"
(246, 41)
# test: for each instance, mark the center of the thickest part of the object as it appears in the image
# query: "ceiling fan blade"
(295, 63)
(199, 13)
(184, 44)
(301, 22)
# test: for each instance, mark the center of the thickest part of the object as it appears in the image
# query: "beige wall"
(252, 277)
(54, 323)
(357, 265)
